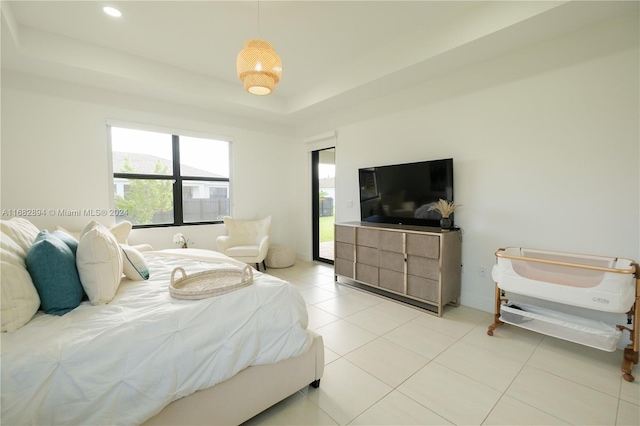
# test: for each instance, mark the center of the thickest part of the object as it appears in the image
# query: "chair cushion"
(247, 232)
(243, 251)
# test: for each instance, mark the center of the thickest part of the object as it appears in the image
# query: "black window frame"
(178, 179)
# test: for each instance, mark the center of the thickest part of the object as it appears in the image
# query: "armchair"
(246, 240)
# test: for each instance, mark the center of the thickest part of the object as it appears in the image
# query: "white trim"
(320, 137)
(322, 141)
(170, 130)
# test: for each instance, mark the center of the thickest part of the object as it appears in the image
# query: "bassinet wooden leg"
(493, 326)
(496, 315)
(631, 351)
(627, 364)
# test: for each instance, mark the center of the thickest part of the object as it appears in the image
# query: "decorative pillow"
(52, 266)
(19, 299)
(133, 264)
(121, 231)
(75, 235)
(66, 238)
(21, 231)
(99, 262)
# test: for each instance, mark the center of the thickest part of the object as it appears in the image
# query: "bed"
(588, 282)
(145, 357)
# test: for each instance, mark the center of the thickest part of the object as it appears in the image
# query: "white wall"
(545, 143)
(55, 156)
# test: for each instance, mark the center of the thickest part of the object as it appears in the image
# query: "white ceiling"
(335, 54)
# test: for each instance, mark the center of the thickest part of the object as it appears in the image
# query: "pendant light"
(259, 66)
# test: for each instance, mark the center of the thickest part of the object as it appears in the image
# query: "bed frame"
(630, 352)
(248, 393)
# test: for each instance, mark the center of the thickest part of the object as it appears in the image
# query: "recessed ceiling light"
(112, 11)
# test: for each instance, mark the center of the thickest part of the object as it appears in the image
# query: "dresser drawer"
(345, 234)
(367, 274)
(423, 245)
(392, 280)
(392, 241)
(423, 267)
(344, 268)
(391, 260)
(367, 255)
(367, 237)
(345, 251)
(422, 288)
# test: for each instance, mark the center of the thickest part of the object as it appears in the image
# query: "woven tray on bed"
(213, 282)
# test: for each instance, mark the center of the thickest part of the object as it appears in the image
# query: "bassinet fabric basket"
(213, 282)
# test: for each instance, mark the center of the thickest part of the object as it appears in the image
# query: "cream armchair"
(246, 240)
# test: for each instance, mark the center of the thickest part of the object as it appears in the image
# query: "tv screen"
(403, 193)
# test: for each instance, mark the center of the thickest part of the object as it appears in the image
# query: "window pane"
(146, 201)
(204, 201)
(204, 157)
(141, 152)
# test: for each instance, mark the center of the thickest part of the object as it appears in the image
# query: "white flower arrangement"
(181, 240)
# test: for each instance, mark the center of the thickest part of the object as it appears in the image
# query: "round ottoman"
(280, 256)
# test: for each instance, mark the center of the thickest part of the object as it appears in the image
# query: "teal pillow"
(52, 266)
(134, 266)
(68, 239)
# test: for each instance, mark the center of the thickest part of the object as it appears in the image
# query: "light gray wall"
(55, 156)
(545, 143)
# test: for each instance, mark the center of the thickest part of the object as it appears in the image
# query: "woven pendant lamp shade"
(259, 67)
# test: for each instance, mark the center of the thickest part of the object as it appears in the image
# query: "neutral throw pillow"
(52, 266)
(19, 299)
(121, 231)
(99, 262)
(133, 264)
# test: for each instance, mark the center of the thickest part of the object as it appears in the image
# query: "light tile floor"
(391, 364)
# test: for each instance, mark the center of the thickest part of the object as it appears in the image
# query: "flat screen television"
(403, 193)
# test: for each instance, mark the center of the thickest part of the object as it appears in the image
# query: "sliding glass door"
(323, 203)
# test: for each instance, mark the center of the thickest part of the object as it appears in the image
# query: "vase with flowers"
(181, 240)
(445, 208)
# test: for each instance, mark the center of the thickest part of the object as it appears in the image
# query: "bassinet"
(592, 282)
(607, 284)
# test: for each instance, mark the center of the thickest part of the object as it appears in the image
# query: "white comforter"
(121, 363)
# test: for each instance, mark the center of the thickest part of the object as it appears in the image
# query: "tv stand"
(413, 264)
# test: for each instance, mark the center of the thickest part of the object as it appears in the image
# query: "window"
(164, 179)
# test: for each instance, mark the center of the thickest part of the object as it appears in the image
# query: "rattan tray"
(213, 282)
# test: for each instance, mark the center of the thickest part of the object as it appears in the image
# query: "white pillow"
(22, 232)
(133, 264)
(121, 231)
(99, 262)
(20, 300)
(19, 297)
